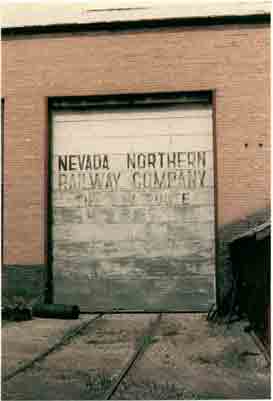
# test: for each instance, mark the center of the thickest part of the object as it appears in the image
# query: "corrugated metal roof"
(46, 13)
(259, 232)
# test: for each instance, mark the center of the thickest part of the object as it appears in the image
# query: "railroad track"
(143, 345)
(64, 340)
(142, 342)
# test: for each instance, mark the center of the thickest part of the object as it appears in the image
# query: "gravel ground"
(86, 367)
(186, 358)
(194, 359)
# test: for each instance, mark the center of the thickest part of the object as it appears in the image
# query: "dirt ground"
(23, 341)
(186, 358)
(192, 359)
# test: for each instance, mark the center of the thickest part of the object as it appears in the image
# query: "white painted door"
(133, 208)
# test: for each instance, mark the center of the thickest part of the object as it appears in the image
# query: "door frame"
(115, 101)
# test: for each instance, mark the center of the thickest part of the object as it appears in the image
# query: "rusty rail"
(67, 337)
(136, 356)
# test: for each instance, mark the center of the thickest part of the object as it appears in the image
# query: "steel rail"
(265, 351)
(64, 340)
(136, 356)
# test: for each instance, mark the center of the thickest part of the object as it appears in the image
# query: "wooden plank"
(95, 202)
(143, 127)
(183, 293)
(170, 111)
(86, 232)
(119, 145)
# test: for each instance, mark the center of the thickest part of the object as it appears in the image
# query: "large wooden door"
(133, 208)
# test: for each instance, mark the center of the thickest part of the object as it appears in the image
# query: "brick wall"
(233, 60)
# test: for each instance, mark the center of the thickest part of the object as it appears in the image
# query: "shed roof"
(259, 232)
(48, 13)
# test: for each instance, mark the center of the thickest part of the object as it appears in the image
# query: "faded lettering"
(168, 160)
(83, 162)
(182, 171)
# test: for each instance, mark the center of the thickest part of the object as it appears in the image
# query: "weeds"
(99, 384)
(145, 341)
(154, 391)
(148, 340)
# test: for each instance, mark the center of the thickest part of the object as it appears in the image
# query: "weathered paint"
(39, 14)
(133, 208)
